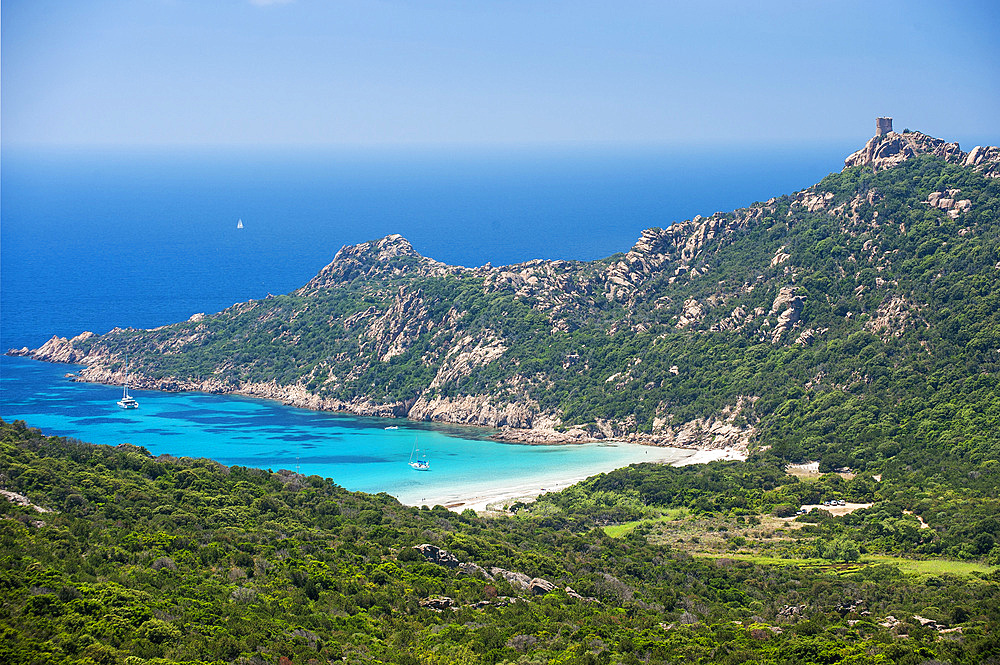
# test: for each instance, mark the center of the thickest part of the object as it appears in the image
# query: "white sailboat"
(419, 463)
(239, 224)
(127, 401)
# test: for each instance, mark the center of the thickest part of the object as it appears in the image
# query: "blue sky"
(512, 72)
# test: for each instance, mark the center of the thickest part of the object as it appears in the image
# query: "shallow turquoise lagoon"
(357, 453)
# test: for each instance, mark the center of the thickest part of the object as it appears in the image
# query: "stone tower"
(883, 126)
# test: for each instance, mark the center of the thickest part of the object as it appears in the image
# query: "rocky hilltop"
(892, 148)
(698, 335)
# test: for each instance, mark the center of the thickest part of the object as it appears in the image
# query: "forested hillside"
(111, 556)
(844, 323)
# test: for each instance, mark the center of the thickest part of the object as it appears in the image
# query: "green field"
(932, 566)
(920, 567)
(669, 515)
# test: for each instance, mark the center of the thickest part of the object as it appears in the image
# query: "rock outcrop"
(985, 159)
(438, 603)
(435, 554)
(21, 500)
(949, 202)
(575, 596)
(536, 586)
(788, 306)
(517, 580)
(393, 254)
(476, 410)
(888, 150)
(474, 570)
(57, 350)
(540, 587)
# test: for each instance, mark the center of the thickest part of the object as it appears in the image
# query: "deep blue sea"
(97, 239)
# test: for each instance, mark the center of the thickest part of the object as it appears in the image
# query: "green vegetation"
(933, 566)
(162, 560)
(669, 515)
(853, 324)
(753, 496)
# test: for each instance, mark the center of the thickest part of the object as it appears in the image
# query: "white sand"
(704, 456)
(497, 495)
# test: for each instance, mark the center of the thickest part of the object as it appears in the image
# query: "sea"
(98, 238)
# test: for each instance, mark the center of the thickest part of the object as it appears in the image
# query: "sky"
(153, 73)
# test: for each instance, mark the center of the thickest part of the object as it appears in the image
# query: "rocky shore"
(97, 370)
(516, 422)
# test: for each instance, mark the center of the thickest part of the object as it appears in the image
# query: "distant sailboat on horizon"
(239, 224)
(127, 401)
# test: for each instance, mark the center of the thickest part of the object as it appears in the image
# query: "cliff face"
(679, 341)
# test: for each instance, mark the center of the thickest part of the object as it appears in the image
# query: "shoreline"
(494, 485)
(704, 434)
(496, 499)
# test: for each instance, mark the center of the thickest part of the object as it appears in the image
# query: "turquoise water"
(357, 453)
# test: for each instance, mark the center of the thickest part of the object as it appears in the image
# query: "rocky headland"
(635, 347)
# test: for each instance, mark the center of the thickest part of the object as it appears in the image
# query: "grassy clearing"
(837, 567)
(667, 515)
(619, 530)
(804, 476)
(763, 534)
(919, 567)
(932, 566)
(769, 540)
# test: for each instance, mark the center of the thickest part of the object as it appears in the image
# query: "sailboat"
(239, 224)
(127, 401)
(420, 464)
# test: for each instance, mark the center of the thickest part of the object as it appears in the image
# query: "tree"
(842, 549)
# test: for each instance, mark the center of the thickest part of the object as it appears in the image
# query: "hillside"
(839, 323)
(854, 323)
(109, 555)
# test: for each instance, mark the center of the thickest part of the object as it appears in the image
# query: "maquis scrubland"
(846, 336)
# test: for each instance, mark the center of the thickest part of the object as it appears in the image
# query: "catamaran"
(127, 401)
(419, 463)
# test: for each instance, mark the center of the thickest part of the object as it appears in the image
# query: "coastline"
(488, 499)
(513, 423)
(494, 484)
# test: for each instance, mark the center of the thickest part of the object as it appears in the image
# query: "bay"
(357, 453)
(90, 240)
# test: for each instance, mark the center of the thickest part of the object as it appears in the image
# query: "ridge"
(707, 332)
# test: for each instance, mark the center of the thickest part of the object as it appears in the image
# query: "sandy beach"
(704, 456)
(495, 494)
